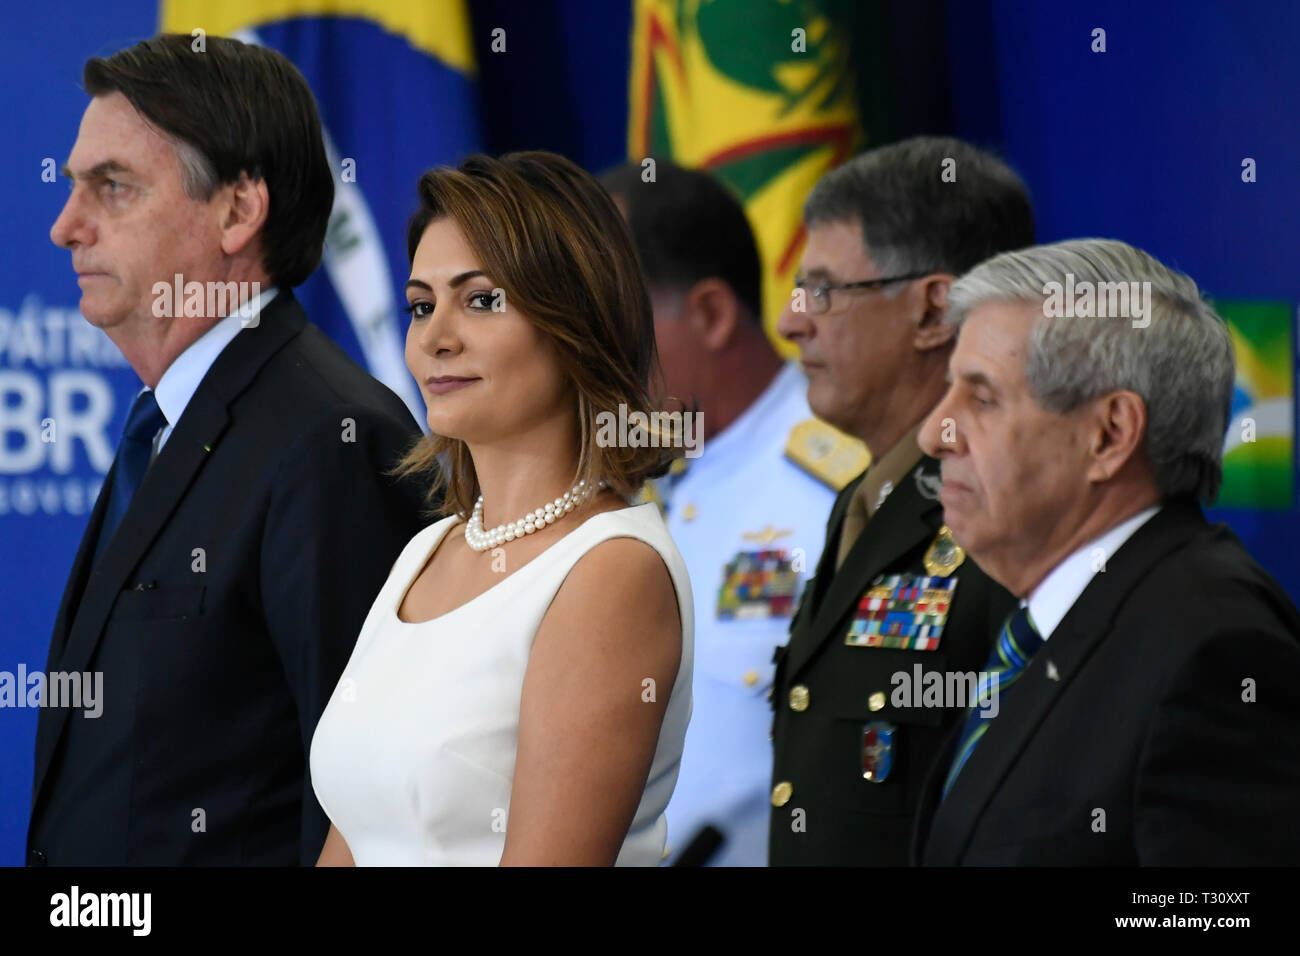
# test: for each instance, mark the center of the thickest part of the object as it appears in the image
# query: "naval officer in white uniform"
(748, 514)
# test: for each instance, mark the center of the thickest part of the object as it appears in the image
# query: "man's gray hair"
(198, 174)
(926, 204)
(1179, 358)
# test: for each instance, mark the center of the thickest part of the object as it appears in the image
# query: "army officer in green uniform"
(894, 607)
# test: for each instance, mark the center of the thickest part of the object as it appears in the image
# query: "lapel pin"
(1052, 673)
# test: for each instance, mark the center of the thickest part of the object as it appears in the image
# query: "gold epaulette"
(826, 453)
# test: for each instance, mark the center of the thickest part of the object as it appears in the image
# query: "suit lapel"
(902, 523)
(834, 528)
(931, 792)
(75, 588)
(164, 485)
(1083, 628)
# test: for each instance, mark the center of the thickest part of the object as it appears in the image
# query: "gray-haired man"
(1150, 683)
(893, 604)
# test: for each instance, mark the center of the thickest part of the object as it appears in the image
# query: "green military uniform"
(852, 748)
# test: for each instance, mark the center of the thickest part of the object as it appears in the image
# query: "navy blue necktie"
(133, 456)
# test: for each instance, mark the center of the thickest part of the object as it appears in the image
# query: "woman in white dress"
(520, 690)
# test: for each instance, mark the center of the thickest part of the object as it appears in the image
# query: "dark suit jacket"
(1141, 726)
(818, 751)
(223, 611)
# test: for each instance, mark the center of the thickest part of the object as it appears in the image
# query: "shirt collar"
(1056, 594)
(181, 380)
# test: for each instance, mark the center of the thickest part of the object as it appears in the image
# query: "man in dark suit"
(893, 605)
(1149, 684)
(247, 522)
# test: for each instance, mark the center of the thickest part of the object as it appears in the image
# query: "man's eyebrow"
(98, 170)
(977, 379)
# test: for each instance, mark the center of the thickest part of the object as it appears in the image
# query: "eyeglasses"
(819, 295)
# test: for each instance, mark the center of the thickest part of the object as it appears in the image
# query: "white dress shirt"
(181, 380)
(1056, 594)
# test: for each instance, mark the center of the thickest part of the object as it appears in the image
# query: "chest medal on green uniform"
(903, 612)
(877, 751)
(908, 611)
(943, 556)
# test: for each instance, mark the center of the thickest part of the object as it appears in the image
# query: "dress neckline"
(395, 608)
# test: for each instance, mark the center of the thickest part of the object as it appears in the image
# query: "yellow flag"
(758, 92)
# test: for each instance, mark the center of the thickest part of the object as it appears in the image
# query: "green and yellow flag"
(1259, 447)
(759, 92)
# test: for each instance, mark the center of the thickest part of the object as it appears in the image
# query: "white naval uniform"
(741, 483)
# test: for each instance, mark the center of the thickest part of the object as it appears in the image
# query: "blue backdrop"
(1143, 142)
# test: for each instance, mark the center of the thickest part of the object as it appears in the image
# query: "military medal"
(902, 612)
(758, 584)
(877, 751)
(944, 556)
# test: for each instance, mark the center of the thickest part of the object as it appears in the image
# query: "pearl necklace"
(549, 513)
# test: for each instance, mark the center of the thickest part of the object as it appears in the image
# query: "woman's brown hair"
(551, 238)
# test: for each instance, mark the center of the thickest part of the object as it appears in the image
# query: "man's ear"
(245, 205)
(714, 313)
(1117, 429)
(931, 330)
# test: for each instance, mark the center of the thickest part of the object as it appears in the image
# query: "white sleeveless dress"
(414, 756)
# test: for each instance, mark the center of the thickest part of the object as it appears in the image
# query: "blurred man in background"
(893, 598)
(746, 518)
(1151, 675)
